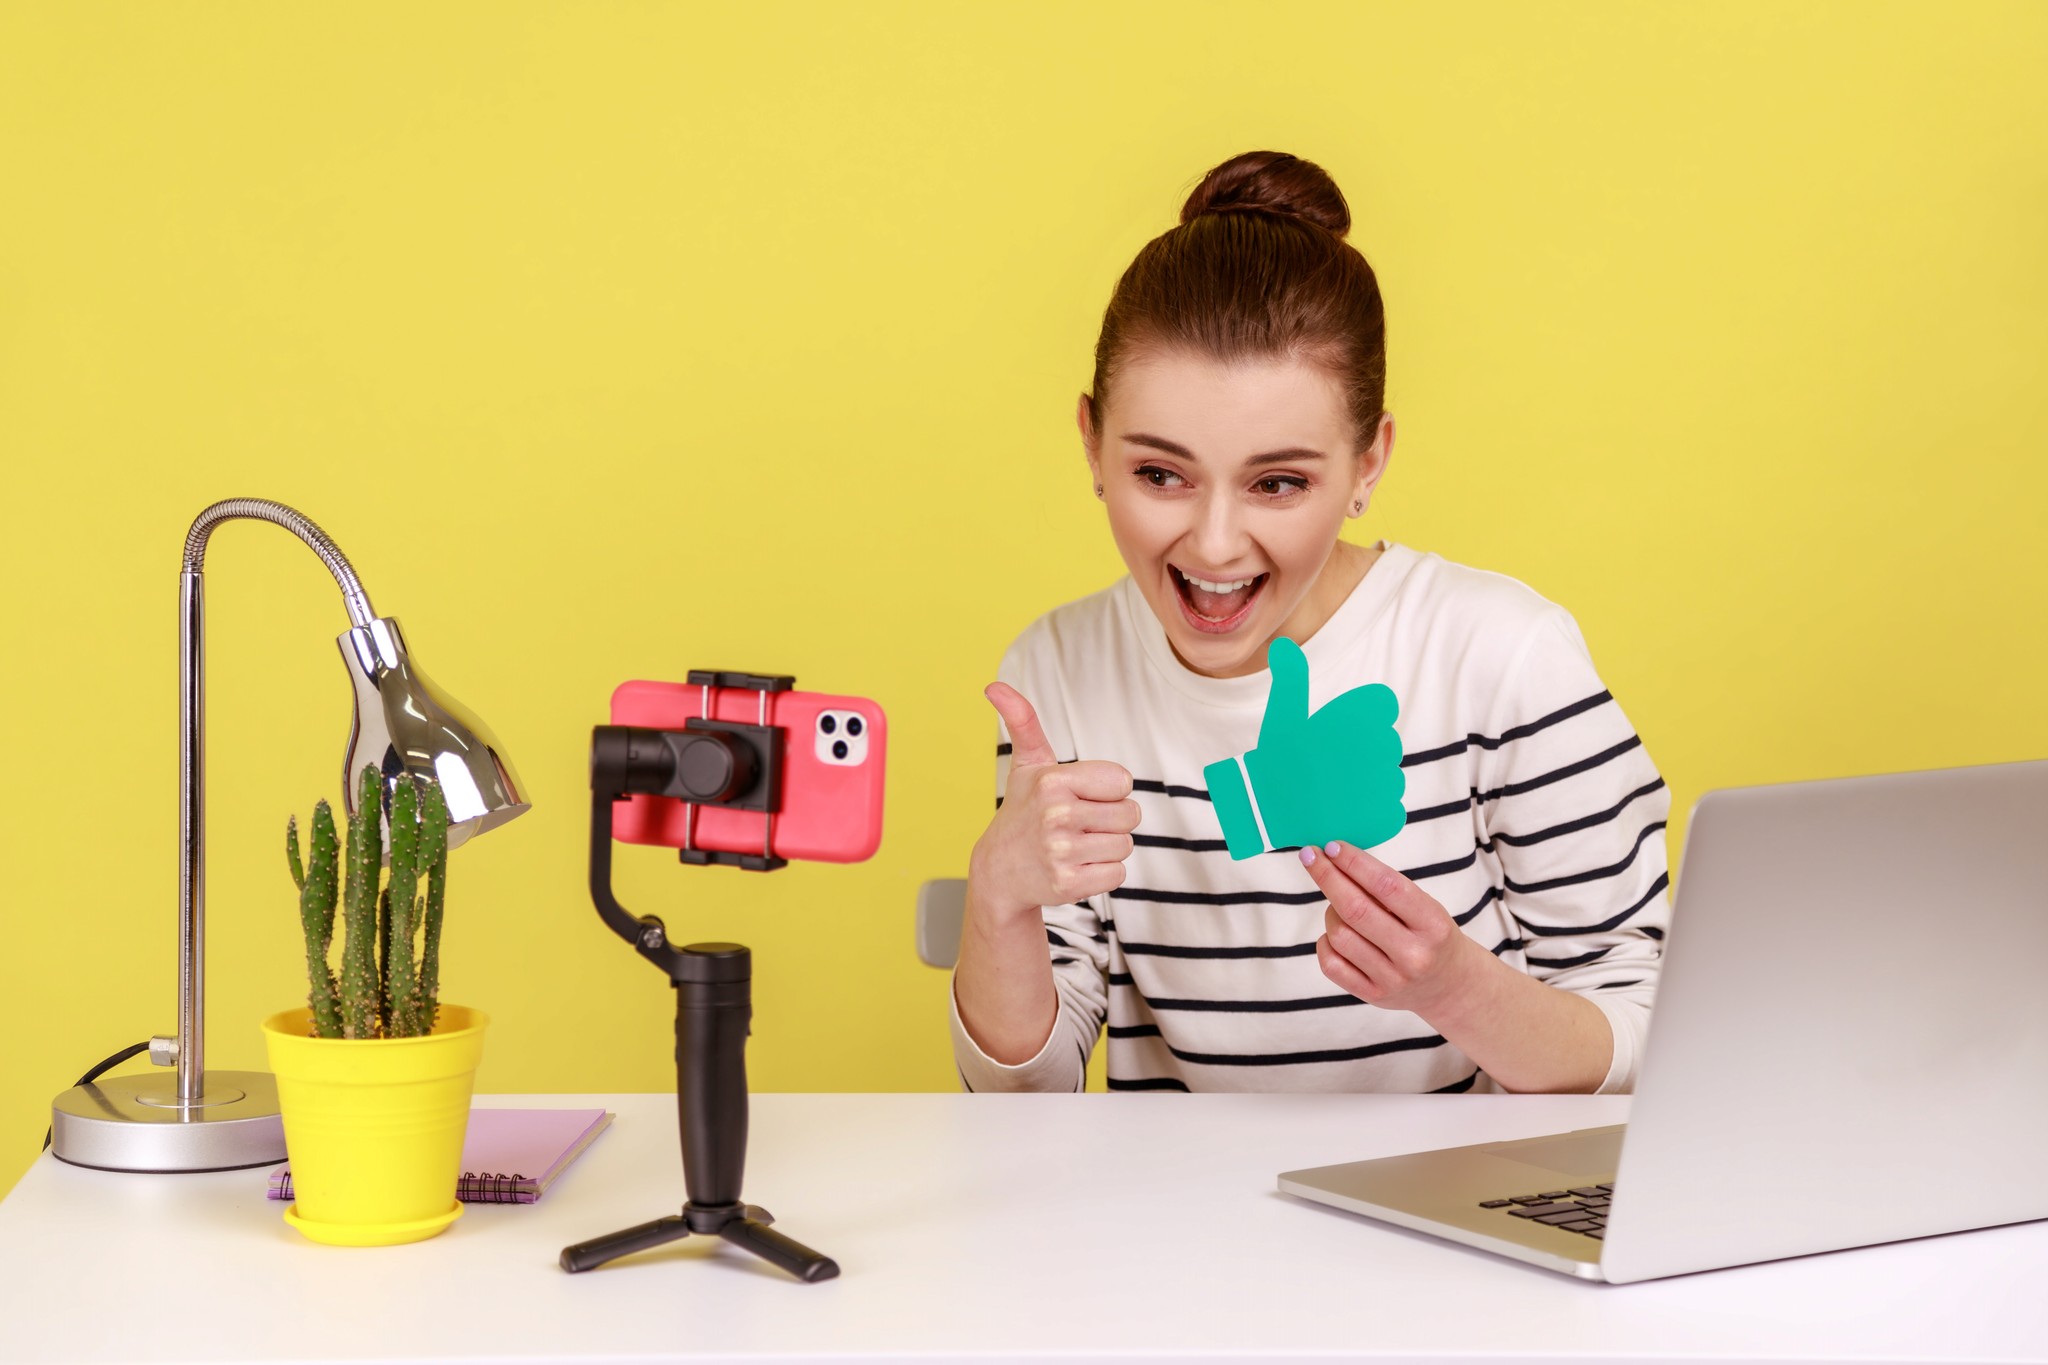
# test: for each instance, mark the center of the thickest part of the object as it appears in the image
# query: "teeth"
(1217, 587)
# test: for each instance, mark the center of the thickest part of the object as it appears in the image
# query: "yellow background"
(611, 340)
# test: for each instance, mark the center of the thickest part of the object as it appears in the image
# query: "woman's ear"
(1084, 418)
(1372, 465)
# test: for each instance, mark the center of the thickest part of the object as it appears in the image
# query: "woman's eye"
(1278, 487)
(1156, 476)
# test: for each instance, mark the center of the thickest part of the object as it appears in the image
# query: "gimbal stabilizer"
(712, 763)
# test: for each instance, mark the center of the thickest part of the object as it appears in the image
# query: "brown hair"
(1257, 267)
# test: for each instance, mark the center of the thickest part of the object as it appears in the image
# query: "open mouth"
(1217, 607)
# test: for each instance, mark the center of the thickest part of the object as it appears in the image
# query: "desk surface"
(997, 1227)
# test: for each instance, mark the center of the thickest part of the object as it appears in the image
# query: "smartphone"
(832, 764)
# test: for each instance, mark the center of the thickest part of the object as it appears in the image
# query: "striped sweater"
(1535, 817)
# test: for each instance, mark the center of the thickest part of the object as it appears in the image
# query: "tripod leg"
(595, 1252)
(776, 1249)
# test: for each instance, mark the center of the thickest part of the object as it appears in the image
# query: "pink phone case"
(831, 810)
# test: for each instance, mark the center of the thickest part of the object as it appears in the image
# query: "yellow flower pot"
(374, 1126)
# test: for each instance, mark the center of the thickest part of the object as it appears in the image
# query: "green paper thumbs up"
(1334, 775)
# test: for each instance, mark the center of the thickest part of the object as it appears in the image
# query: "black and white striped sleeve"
(1074, 936)
(1574, 811)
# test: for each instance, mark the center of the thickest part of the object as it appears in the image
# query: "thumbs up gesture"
(1334, 775)
(1064, 829)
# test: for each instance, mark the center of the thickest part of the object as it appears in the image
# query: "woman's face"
(1226, 484)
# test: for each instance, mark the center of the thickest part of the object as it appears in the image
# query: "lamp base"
(135, 1123)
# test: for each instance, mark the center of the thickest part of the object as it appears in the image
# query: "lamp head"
(403, 723)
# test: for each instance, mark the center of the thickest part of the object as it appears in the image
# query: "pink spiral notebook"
(509, 1156)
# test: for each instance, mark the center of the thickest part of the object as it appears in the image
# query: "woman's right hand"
(1064, 829)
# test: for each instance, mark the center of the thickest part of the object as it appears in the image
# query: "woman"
(1507, 938)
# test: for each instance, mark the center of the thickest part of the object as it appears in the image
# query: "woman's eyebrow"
(1139, 438)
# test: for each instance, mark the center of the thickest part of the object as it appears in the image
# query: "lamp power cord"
(102, 1069)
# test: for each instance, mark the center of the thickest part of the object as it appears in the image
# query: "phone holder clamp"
(712, 763)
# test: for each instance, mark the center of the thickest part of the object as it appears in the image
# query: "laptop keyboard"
(1582, 1210)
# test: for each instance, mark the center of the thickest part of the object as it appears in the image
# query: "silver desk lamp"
(403, 723)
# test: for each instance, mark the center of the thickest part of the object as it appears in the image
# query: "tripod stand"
(710, 763)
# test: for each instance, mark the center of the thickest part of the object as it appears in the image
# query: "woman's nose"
(1218, 534)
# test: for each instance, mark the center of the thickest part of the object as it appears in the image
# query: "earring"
(1098, 490)
(1356, 508)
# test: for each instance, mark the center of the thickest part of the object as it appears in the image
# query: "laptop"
(1849, 1046)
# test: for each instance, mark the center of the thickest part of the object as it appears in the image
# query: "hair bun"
(1271, 182)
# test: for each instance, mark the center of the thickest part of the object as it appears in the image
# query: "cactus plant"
(316, 910)
(391, 949)
(434, 859)
(361, 973)
(401, 895)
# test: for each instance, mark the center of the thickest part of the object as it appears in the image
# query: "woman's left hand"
(1385, 939)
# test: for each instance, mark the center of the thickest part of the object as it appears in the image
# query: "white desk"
(997, 1227)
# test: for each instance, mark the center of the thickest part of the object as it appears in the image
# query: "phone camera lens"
(853, 726)
(839, 748)
(828, 724)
